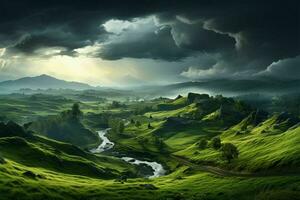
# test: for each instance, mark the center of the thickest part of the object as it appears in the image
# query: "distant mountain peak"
(45, 76)
(43, 81)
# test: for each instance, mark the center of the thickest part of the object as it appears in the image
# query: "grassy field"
(182, 184)
(163, 130)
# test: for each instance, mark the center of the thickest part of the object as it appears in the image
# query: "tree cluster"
(229, 151)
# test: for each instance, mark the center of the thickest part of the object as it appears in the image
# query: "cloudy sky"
(121, 42)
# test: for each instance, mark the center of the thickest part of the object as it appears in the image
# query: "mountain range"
(224, 86)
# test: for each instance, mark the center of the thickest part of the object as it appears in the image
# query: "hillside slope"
(20, 146)
(269, 144)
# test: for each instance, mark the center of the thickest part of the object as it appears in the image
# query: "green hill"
(65, 127)
(41, 152)
(263, 144)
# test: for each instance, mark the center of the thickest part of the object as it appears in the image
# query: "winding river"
(106, 144)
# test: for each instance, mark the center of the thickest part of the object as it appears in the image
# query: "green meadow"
(210, 148)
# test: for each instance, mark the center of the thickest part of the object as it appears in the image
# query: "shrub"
(229, 151)
(216, 142)
(116, 104)
(202, 144)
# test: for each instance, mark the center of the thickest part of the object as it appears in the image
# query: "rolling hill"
(170, 132)
(37, 152)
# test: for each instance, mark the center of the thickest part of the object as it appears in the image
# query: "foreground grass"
(182, 184)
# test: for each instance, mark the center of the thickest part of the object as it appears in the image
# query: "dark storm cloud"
(170, 40)
(283, 69)
(28, 25)
(249, 35)
(195, 37)
(155, 45)
(264, 32)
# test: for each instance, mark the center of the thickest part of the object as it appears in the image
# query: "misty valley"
(101, 143)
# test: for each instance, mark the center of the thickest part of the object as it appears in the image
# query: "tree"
(115, 104)
(131, 121)
(149, 126)
(229, 151)
(76, 112)
(121, 127)
(202, 144)
(216, 142)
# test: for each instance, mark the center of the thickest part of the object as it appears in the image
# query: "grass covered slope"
(272, 144)
(266, 145)
(40, 152)
(183, 184)
(261, 152)
(185, 120)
